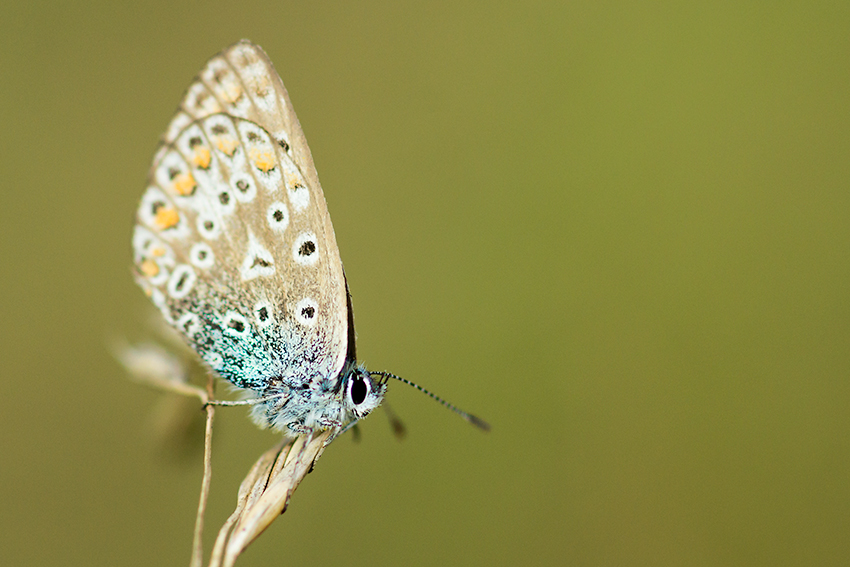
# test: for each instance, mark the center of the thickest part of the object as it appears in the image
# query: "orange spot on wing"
(149, 268)
(166, 218)
(184, 184)
(226, 145)
(263, 159)
(202, 157)
(230, 91)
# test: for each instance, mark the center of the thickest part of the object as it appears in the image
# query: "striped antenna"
(476, 421)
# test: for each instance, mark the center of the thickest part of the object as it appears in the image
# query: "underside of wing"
(233, 240)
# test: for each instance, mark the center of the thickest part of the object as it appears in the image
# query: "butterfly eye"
(358, 390)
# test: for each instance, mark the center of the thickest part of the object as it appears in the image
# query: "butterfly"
(234, 245)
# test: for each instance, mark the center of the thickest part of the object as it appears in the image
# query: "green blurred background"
(617, 231)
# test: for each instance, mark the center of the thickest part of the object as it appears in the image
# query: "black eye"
(359, 389)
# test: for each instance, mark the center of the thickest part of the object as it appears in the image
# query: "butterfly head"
(361, 394)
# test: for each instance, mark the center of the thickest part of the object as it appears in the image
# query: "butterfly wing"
(233, 240)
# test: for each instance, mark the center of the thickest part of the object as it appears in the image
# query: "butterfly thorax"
(297, 407)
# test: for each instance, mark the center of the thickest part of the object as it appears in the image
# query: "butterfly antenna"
(476, 421)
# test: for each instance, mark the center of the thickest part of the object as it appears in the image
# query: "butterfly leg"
(351, 425)
(298, 428)
(248, 402)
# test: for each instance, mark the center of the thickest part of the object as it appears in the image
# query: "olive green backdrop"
(618, 232)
